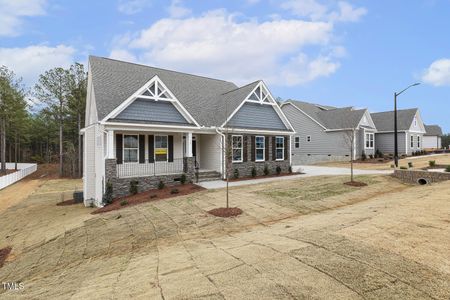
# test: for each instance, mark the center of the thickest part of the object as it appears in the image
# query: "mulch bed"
(4, 255)
(263, 176)
(355, 183)
(67, 202)
(435, 167)
(224, 212)
(150, 195)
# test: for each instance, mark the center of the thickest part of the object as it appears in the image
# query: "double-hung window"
(130, 148)
(161, 148)
(236, 148)
(418, 141)
(260, 146)
(369, 140)
(412, 141)
(279, 148)
(297, 142)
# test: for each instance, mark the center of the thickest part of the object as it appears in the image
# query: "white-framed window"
(161, 147)
(308, 138)
(236, 145)
(279, 148)
(297, 142)
(418, 141)
(370, 140)
(130, 148)
(412, 141)
(260, 148)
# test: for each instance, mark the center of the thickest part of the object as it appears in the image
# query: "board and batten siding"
(323, 145)
(257, 116)
(89, 163)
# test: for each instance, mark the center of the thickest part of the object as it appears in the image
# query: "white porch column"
(189, 144)
(110, 145)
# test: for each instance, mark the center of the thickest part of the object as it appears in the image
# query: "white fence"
(22, 171)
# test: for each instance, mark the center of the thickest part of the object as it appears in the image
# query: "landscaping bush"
(123, 202)
(266, 170)
(290, 169)
(183, 178)
(447, 169)
(371, 156)
(174, 191)
(403, 168)
(392, 166)
(253, 172)
(133, 187)
(161, 185)
(363, 156)
(278, 170)
(379, 154)
(410, 164)
(432, 163)
(236, 174)
(108, 196)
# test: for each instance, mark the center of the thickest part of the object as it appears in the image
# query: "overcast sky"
(341, 53)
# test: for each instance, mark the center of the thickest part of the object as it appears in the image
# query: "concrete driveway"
(308, 171)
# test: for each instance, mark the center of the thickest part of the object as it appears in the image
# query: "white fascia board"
(314, 120)
(256, 131)
(278, 110)
(133, 126)
(140, 91)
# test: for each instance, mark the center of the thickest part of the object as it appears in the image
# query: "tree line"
(42, 124)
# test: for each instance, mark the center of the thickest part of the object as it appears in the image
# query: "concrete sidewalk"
(309, 171)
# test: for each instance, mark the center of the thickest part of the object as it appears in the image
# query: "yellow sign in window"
(160, 151)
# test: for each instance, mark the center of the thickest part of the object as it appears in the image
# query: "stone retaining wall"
(121, 186)
(413, 176)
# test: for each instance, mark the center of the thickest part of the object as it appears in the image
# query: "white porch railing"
(22, 171)
(156, 168)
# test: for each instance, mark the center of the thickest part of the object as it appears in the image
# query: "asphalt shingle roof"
(331, 117)
(208, 100)
(384, 121)
(433, 130)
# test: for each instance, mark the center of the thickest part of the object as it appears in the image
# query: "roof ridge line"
(238, 88)
(147, 66)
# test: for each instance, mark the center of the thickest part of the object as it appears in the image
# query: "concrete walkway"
(309, 171)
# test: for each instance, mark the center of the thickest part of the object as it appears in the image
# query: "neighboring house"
(410, 131)
(432, 139)
(324, 133)
(150, 124)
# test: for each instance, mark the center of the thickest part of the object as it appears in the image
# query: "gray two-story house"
(325, 133)
(411, 130)
(149, 124)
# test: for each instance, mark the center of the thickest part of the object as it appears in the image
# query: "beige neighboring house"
(432, 140)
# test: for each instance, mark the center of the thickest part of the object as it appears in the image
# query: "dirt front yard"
(418, 162)
(305, 238)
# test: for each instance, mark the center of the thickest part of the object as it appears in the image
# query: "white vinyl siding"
(210, 148)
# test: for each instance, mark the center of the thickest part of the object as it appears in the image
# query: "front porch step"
(208, 176)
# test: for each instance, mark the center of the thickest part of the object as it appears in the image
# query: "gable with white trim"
(366, 121)
(152, 104)
(259, 111)
(417, 124)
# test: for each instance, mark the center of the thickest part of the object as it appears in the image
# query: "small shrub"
(108, 196)
(410, 164)
(253, 172)
(183, 178)
(161, 185)
(123, 202)
(392, 166)
(432, 163)
(236, 174)
(371, 156)
(403, 168)
(153, 196)
(278, 170)
(290, 169)
(266, 170)
(363, 156)
(174, 191)
(133, 187)
(447, 169)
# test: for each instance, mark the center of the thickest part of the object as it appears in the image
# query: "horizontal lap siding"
(259, 116)
(152, 111)
(385, 142)
(210, 149)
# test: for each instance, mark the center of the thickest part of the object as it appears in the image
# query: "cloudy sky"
(342, 53)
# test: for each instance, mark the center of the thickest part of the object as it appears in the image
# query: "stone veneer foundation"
(121, 186)
(413, 176)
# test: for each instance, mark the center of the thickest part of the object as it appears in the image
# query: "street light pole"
(395, 123)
